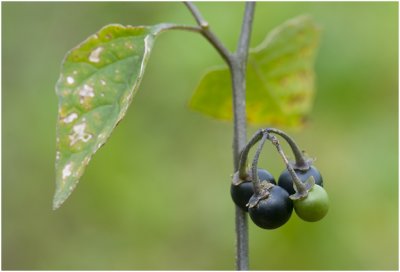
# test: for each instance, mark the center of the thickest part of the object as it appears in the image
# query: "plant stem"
(208, 34)
(196, 14)
(238, 74)
(237, 63)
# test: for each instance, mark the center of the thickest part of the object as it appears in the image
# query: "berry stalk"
(301, 163)
(243, 174)
(255, 179)
(299, 186)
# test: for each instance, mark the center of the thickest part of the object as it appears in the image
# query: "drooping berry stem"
(299, 186)
(243, 174)
(301, 162)
(255, 179)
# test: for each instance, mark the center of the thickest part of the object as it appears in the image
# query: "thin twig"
(208, 34)
(244, 39)
(196, 14)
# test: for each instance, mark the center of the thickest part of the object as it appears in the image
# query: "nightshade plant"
(100, 77)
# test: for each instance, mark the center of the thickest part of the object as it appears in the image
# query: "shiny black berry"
(241, 193)
(273, 211)
(285, 179)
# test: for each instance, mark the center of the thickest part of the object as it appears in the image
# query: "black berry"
(285, 179)
(241, 193)
(272, 212)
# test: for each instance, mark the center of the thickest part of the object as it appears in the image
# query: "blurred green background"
(156, 196)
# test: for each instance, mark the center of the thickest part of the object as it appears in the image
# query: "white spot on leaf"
(67, 171)
(70, 80)
(70, 118)
(95, 55)
(79, 134)
(57, 155)
(102, 82)
(86, 91)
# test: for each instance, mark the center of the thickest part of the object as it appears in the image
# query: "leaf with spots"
(280, 79)
(97, 83)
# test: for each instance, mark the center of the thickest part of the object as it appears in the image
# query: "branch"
(196, 14)
(244, 39)
(208, 34)
(238, 73)
(237, 65)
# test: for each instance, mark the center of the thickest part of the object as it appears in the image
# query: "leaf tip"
(55, 206)
(56, 203)
(61, 195)
(58, 200)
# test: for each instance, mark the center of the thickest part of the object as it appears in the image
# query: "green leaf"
(280, 79)
(97, 83)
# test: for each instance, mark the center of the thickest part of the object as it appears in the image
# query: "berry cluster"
(270, 204)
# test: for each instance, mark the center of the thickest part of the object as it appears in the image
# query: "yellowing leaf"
(280, 79)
